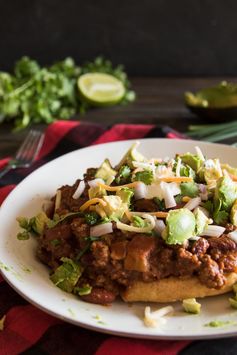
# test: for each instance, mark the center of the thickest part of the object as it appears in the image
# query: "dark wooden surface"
(159, 100)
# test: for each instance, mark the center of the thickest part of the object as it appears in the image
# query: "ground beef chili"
(116, 260)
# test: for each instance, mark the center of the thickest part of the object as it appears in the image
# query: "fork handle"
(5, 170)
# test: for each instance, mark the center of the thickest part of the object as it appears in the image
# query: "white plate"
(30, 278)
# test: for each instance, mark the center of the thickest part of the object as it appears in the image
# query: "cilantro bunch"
(35, 94)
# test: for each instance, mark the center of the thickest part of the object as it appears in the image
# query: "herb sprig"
(35, 94)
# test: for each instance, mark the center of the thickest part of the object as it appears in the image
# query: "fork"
(27, 152)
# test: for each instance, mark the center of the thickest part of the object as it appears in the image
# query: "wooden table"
(159, 100)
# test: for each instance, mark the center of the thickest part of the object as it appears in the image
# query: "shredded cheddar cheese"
(186, 199)
(93, 201)
(116, 188)
(159, 214)
(176, 179)
(233, 177)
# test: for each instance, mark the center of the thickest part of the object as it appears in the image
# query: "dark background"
(152, 37)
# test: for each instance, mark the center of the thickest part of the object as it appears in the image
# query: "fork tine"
(29, 151)
(24, 146)
(31, 146)
(38, 144)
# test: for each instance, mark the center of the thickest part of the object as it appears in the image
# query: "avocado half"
(215, 103)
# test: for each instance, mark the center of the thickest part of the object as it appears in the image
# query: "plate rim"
(99, 328)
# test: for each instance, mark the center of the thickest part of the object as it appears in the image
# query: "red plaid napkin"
(27, 327)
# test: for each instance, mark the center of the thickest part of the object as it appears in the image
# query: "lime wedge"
(101, 89)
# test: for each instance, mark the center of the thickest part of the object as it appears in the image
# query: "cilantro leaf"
(208, 205)
(23, 235)
(144, 176)
(123, 175)
(160, 203)
(91, 218)
(221, 217)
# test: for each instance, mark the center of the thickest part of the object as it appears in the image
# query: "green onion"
(213, 132)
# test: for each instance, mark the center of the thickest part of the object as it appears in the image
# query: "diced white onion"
(80, 189)
(178, 166)
(101, 229)
(164, 171)
(146, 166)
(233, 236)
(193, 203)
(140, 191)
(168, 195)
(58, 199)
(203, 192)
(152, 319)
(157, 189)
(194, 237)
(174, 188)
(94, 183)
(213, 231)
(204, 197)
(130, 228)
(159, 226)
(199, 153)
(202, 188)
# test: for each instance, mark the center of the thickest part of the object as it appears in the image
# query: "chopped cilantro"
(219, 323)
(91, 218)
(144, 176)
(92, 239)
(221, 217)
(178, 199)
(27, 225)
(23, 235)
(123, 175)
(160, 203)
(56, 220)
(208, 205)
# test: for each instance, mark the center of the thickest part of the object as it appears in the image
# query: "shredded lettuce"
(194, 161)
(67, 275)
(189, 189)
(144, 176)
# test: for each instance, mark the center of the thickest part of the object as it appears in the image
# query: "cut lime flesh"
(101, 89)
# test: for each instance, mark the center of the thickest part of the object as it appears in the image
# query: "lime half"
(101, 89)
